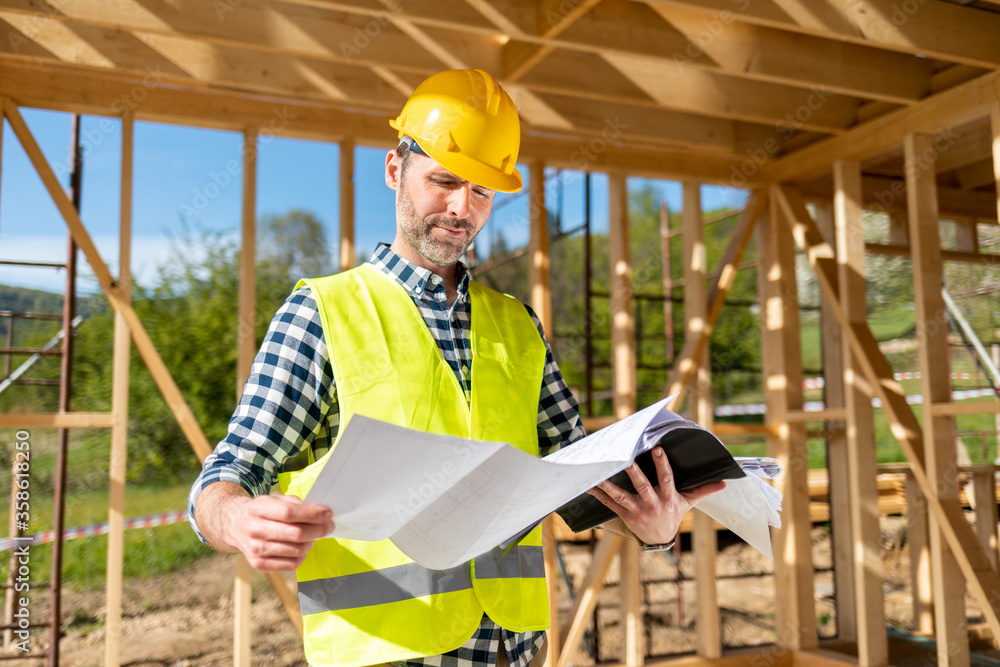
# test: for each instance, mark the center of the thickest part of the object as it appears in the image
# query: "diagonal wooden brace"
(968, 552)
(161, 375)
(686, 366)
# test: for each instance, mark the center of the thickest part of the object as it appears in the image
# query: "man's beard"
(419, 234)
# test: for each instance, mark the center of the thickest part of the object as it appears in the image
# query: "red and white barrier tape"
(167, 518)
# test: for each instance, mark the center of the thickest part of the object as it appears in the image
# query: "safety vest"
(365, 602)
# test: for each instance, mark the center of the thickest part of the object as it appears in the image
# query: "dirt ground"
(185, 619)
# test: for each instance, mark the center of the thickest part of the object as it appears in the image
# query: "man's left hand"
(653, 514)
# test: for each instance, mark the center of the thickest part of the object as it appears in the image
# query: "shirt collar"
(416, 279)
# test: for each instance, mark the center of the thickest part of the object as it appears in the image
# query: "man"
(409, 339)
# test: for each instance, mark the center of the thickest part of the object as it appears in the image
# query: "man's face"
(437, 213)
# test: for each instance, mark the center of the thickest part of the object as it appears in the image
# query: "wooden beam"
(939, 30)
(722, 428)
(57, 420)
(705, 541)
(838, 488)
(920, 558)
(970, 408)
(550, 548)
(802, 416)
(105, 93)
(554, 16)
(121, 356)
(939, 113)
(685, 365)
(622, 325)
(608, 546)
(982, 580)
(538, 246)
(935, 384)
(984, 484)
(246, 346)
(348, 255)
(668, 302)
(980, 258)
(781, 353)
(631, 595)
(995, 127)
(865, 531)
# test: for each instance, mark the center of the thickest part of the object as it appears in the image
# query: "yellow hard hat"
(465, 121)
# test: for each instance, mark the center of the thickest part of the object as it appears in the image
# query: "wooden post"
(622, 324)
(541, 303)
(668, 304)
(608, 545)
(348, 254)
(119, 410)
(782, 361)
(839, 491)
(985, 489)
(865, 532)
(920, 558)
(935, 382)
(631, 596)
(704, 537)
(246, 347)
(995, 123)
(624, 378)
(538, 247)
(899, 233)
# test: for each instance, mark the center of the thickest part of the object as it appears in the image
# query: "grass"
(148, 551)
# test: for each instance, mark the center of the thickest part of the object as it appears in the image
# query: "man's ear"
(393, 168)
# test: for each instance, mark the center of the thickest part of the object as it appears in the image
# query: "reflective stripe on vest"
(366, 602)
(402, 582)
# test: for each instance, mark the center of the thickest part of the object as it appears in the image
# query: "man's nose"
(458, 202)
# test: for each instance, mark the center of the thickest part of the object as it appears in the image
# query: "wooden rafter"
(975, 566)
(936, 29)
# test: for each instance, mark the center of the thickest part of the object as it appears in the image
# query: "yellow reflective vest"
(365, 602)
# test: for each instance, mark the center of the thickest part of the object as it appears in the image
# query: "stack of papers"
(443, 500)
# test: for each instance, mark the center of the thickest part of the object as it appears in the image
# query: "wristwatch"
(658, 547)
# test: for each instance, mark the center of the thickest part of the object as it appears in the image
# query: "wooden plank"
(822, 658)
(632, 603)
(668, 302)
(608, 546)
(940, 30)
(246, 346)
(802, 416)
(348, 254)
(538, 246)
(685, 366)
(121, 355)
(838, 490)
(695, 256)
(920, 558)
(935, 384)
(982, 580)
(970, 408)
(622, 325)
(782, 366)
(58, 420)
(722, 428)
(995, 128)
(864, 529)
(984, 484)
(965, 103)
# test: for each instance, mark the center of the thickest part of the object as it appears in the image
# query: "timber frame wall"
(914, 125)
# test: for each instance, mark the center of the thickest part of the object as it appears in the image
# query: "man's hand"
(653, 514)
(273, 532)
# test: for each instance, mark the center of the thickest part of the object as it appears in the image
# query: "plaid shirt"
(289, 405)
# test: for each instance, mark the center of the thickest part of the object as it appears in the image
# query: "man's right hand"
(272, 532)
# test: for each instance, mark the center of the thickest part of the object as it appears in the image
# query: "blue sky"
(181, 186)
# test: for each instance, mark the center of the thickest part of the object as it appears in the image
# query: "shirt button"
(436, 280)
